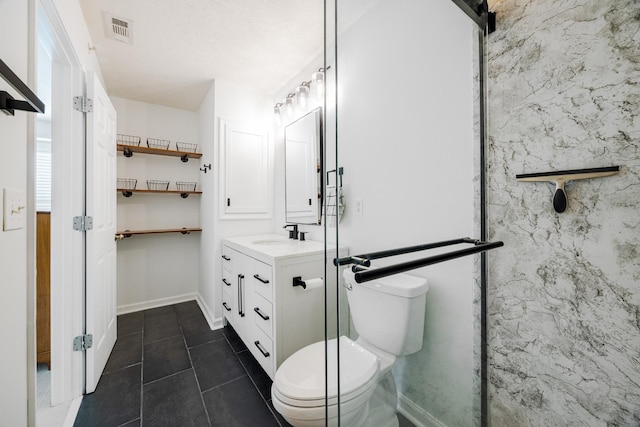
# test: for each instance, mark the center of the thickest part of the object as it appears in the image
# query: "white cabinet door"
(100, 284)
(244, 177)
(235, 293)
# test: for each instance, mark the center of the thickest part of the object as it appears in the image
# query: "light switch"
(358, 207)
(15, 209)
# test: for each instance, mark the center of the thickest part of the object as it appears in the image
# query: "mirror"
(303, 169)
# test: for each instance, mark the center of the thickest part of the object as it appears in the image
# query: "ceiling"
(180, 46)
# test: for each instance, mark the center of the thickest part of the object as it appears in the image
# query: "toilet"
(388, 315)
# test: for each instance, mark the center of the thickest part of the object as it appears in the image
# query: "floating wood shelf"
(128, 233)
(184, 155)
(124, 190)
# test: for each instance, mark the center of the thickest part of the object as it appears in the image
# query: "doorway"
(58, 159)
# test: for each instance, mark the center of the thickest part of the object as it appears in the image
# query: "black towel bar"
(8, 103)
(361, 262)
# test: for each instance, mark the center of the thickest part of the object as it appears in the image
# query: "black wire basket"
(127, 183)
(128, 140)
(186, 186)
(162, 144)
(153, 184)
(186, 147)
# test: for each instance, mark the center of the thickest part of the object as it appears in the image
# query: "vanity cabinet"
(273, 317)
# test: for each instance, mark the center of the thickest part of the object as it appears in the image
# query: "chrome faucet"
(293, 233)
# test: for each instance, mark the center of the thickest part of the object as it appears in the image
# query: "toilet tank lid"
(401, 284)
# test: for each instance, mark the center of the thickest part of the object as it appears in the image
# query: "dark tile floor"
(169, 369)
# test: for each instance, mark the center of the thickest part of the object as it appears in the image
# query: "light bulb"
(288, 105)
(277, 112)
(302, 94)
(318, 80)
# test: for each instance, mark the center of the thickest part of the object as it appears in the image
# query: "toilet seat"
(300, 380)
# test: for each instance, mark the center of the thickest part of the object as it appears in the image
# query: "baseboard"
(414, 413)
(72, 413)
(214, 323)
(146, 305)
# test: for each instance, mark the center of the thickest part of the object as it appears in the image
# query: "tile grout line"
(206, 411)
(225, 383)
(128, 422)
(142, 375)
(255, 385)
(161, 339)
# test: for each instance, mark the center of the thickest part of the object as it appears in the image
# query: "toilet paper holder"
(297, 281)
(311, 283)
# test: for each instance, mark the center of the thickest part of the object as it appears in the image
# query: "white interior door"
(101, 247)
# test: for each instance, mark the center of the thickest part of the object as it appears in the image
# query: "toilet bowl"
(298, 390)
(388, 314)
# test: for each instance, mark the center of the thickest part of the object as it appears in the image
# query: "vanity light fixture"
(300, 96)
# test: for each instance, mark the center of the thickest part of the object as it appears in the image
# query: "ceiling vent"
(117, 28)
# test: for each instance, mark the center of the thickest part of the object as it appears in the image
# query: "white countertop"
(274, 246)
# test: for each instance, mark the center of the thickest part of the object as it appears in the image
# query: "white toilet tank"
(389, 312)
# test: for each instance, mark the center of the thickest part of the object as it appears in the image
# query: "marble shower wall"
(564, 292)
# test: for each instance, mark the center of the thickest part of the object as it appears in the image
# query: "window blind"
(43, 175)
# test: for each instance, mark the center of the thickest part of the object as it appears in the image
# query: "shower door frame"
(485, 21)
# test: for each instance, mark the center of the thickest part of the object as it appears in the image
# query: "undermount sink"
(270, 242)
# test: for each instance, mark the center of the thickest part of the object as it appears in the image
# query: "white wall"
(157, 269)
(238, 105)
(76, 27)
(209, 266)
(406, 142)
(13, 244)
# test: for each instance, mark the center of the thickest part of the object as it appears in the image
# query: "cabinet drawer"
(262, 279)
(262, 349)
(263, 314)
(227, 255)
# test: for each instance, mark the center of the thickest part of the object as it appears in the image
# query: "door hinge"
(83, 104)
(83, 223)
(82, 342)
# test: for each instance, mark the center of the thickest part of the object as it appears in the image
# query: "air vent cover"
(118, 28)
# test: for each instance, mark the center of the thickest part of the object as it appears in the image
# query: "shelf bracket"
(184, 158)
(560, 178)
(127, 152)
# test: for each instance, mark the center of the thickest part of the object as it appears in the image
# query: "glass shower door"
(403, 125)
